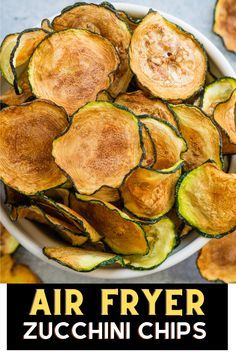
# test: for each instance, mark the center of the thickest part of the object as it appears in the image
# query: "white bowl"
(34, 239)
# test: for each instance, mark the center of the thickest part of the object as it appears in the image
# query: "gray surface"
(17, 15)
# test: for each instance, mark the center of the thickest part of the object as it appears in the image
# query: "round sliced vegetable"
(225, 116)
(216, 92)
(206, 200)
(79, 259)
(103, 20)
(10, 98)
(8, 244)
(149, 147)
(217, 259)
(10, 272)
(200, 133)
(161, 240)
(122, 234)
(68, 232)
(26, 135)
(224, 23)
(167, 61)
(58, 73)
(101, 146)
(143, 105)
(6, 48)
(168, 143)
(25, 45)
(150, 194)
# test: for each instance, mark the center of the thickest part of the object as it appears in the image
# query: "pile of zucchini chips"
(114, 135)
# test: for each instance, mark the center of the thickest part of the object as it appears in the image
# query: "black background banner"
(215, 308)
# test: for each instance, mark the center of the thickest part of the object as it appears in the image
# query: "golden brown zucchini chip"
(168, 143)
(122, 234)
(224, 23)
(206, 200)
(217, 259)
(100, 147)
(225, 116)
(58, 73)
(216, 92)
(161, 240)
(150, 194)
(149, 147)
(168, 62)
(201, 134)
(66, 214)
(79, 259)
(69, 233)
(32, 127)
(8, 244)
(10, 272)
(104, 21)
(143, 105)
(10, 98)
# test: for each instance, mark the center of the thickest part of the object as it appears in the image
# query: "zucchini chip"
(168, 62)
(68, 232)
(101, 146)
(149, 147)
(10, 272)
(206, 200)
(217, 259)
(224, 23)
(168, 143)
(32, 126)
(6, 48)
(150, 194)
(58, 73)
(104, 21)
(46, 25)
(79, 259)
(25, 45)
(122, 234)
(143, 105)
(8, 244)
(225, 116)
(10, 98)
(161, 240)
(216, 92)
(63, 212)
(201, 134)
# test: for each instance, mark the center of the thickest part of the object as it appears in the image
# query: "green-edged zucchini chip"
(217, 259)
(200, 133)
(79, 259)
(46, 25)
(26, 135)
(8, 244)
(168, 143)
(122, 234)
(69, 233)
(10, 98)
(66, 214)
(149, 147)
(143, 105)
(225, 116)
(30, 212)
(150, 194)
(107, 194)
(103, 20)
(6, 48)
(224, 23)
(26, 43)
(101, 146)
(216, 92)
(58, 73)
(206, 200)
(161, 240)
(168, 62)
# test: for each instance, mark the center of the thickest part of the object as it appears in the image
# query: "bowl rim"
(120, 273)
